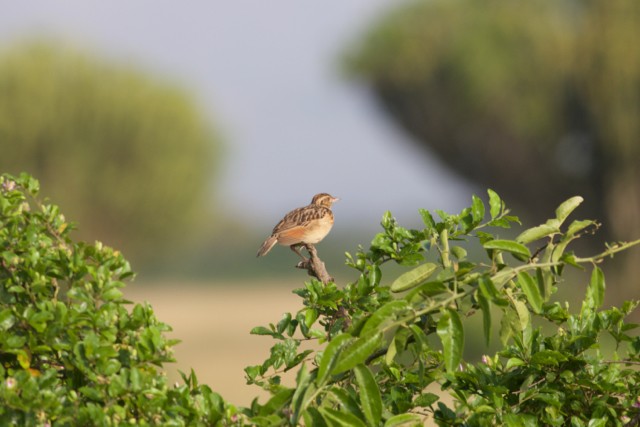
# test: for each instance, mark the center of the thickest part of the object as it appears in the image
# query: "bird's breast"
(318, 229)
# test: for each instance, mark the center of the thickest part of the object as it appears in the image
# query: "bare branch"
(314, 265)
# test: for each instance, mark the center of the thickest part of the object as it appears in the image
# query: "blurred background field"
(213, 323)
(180, 134)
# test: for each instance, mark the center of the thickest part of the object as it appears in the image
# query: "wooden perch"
(314, 265)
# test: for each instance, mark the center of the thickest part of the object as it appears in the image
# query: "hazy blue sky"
(267, 71)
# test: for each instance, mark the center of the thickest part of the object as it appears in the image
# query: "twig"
(314, 265)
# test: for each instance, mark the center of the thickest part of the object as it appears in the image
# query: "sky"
(268, 75)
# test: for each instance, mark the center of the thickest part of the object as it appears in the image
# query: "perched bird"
(307, 225)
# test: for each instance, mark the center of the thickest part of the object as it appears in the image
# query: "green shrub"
(72, 354)
(384, 342)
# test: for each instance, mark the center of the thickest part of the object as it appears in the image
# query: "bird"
(307, 225)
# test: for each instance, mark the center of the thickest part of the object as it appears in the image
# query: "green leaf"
(387, 312)
(413, 277)
(299, 400)
(313, 418)
(487, 288)
(7, 319)
(310, 316)
(357, 351)
(495, 203)
(347, 401)
(547, 357)
(283, 323)
(568, 206)
(531, 290)
(112, 294)
(10, 258)
(501, 277)
(261, 330)
(595, 292)
(374, 276)
(330, 357)
(419, 336)
(508, 324)
(536, 233)
(337, 418)
(489, 291)
(458, 252)
(426, 399)
(514, 362)
(511, 246)
(477, 209)
(427, 218)
(451, 334)
(405, 420)
(577, 226)
(523, 314)
(370, 398)
(485, 306)
(24, 359)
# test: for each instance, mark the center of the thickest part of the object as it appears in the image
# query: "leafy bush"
(70, 351)
(384, 343)
(72, 354)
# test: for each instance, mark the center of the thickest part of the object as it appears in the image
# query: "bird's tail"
(267, 245)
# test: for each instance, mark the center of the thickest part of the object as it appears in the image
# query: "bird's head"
(324, 199)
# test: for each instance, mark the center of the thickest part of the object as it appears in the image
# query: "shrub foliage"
(72, 353)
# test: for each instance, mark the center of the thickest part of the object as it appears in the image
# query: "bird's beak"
(334, 199)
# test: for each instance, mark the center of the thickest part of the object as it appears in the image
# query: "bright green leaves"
(530, 287)
(518, 250)
(477, 209)
(595, 291)
(552, 226)
(379, 353)
(395, 242)
(568, 206)
(357, 351)
(73, 350)
(538, 232)
(496, 205)
(373, 353)
(370, 398)
(385, 314)
(414, 277)
(485, 306)
(451, 334)
(330, 357)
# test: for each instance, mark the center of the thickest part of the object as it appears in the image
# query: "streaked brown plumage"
(306, 225)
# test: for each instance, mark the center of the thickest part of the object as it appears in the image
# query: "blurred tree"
(127, 156)
(539, 99)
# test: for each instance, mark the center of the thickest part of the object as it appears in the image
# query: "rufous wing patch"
(291, 236)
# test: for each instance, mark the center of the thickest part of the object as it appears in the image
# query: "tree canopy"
(127, 155)
(536, 99)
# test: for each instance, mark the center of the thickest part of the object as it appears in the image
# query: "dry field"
(213, 322)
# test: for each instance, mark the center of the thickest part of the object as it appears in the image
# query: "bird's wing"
(301, 217)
